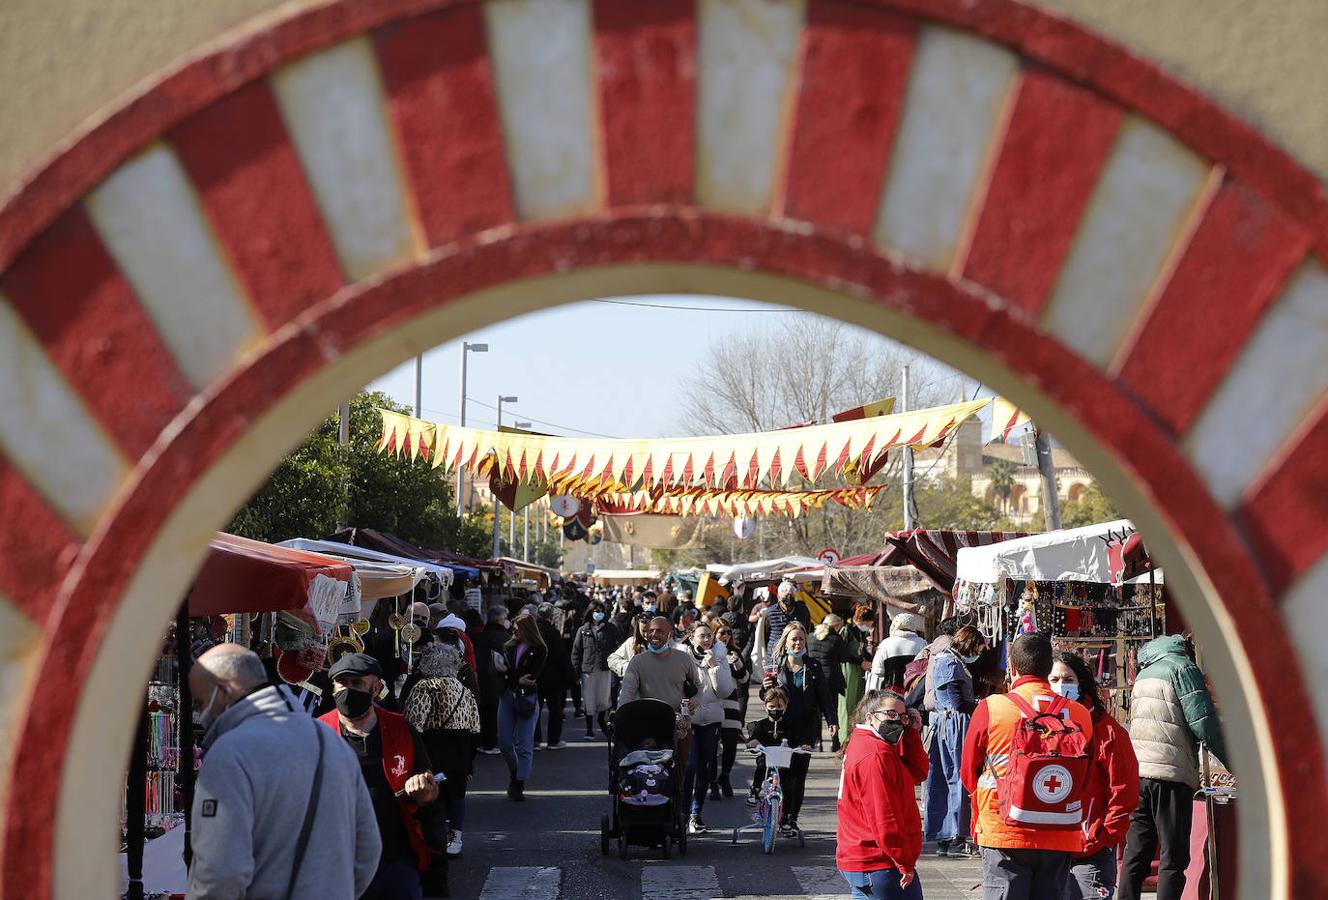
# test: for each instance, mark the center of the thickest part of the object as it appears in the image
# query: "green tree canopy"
(317, 488)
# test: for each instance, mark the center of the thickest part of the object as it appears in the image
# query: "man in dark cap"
(396, 770)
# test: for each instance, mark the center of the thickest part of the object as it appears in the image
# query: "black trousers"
(1163, 818)
(489, 726)
(555, 702)
(1009, 874)
(728, 751)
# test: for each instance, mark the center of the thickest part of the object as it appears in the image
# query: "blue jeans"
(882, 884)
(700, 766)
(516, 736)
(398, 880)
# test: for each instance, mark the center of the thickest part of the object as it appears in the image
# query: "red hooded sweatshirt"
(1111, 791)
(879, 824)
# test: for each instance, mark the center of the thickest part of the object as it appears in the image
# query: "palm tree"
(1002, 474)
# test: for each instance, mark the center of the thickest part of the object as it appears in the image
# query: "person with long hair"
(948, 811)
(810, 700)
(722, 785)
(716, 683)
(446, 714)
(524, 656)
(1111, 791)
(879, 834)
(858, 650)
(827, 647)
(594, 643)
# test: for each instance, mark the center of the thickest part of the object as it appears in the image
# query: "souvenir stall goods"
(1062, 583)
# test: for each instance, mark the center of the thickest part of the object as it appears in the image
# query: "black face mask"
(352, 703)
(775, 714)
(891, 730)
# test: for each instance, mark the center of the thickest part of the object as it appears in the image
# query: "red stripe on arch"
(89, 321)
(855, 68)
(1239, 257)
(646, 70)
(1055, 143)
(252, 187)
(36, 547)
(1283, 516)
(441, 96)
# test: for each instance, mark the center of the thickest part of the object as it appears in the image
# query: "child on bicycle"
(771, 732)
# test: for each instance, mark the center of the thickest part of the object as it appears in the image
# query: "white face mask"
(206, 718)
(1066, 689)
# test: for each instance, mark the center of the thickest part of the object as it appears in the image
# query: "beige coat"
(1162, 739)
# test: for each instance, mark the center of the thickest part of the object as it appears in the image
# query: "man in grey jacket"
(262, 751)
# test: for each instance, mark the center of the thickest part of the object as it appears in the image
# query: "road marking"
(820, 882)
(526, 882)
(662, 881)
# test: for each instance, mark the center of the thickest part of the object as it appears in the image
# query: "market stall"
(300, 597)
(1061, 583)
(890, 590)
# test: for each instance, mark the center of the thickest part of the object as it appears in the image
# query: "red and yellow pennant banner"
(705, 502)
(852, 450)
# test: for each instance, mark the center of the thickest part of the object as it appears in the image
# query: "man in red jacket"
(880, 831)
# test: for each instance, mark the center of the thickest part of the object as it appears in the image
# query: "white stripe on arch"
(746, 59)
(1305, 613)
(333, 107)
(1139, 209)
(541, 53)
(1278, 379)
(957, 91)
(149, 218)
(48, 435)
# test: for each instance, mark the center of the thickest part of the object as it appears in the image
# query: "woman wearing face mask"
(858, 652)
(879, 835)
(524, 655)
(733, 710)
(1111, 791)
(594, 643)
(810, 701)
(948, 809)
(716, 683)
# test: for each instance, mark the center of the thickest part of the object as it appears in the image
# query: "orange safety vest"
(990, 829)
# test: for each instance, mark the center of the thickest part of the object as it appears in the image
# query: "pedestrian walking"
(715, 684)
(1171, 712)
(734, 711)
(555, 679)
(594, 643)
(1111, 791)
(948, 811)
(904, 643)
(397, 773)
(1025, 856)
(809, 701)
(488, 658)
(270, 775)
(523, 658)
(446, 714)
(879, 834)
(857, 640)
(827, 647)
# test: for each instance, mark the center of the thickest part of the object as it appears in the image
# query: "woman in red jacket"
(880, 831)
(1112, 790)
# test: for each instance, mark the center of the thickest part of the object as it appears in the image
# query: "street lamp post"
(497, 547)
(525, 538)
(466, 348)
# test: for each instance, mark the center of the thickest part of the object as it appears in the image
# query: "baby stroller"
(645, 782)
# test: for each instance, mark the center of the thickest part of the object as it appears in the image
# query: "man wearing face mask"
(772, 622)
(268, 770)
(396, 770)
(879, 836)
(663, 673)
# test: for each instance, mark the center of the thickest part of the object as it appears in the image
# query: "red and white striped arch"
(192, 281)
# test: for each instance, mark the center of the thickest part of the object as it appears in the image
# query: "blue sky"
(602, 367)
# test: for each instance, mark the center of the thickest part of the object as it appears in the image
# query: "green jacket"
(1170, 711)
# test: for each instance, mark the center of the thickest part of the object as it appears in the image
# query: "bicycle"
(771, 808)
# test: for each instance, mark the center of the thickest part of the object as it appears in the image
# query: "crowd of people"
(382, 769)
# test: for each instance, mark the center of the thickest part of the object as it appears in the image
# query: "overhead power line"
(518, 414)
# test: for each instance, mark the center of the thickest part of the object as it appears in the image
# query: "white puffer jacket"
(716, 685)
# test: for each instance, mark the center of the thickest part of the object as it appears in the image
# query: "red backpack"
(1043, 785)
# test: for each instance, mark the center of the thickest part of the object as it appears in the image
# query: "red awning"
(933, 552)
(245, 576)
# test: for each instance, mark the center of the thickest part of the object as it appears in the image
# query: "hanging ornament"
(744, 527)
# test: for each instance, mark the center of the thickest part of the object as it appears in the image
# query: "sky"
(603, 368)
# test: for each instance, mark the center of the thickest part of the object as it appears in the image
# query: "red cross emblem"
(1053, 784)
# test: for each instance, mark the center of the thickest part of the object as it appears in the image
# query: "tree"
(318, 487)
(1002, 476)
(1092, 508)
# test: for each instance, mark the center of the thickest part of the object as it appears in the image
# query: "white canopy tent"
(766, 569)
(1075, 554)
(351, 553)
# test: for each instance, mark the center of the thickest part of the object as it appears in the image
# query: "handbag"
(310, 811)
(524, 704)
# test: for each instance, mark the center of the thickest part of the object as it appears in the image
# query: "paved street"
(548, 847)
